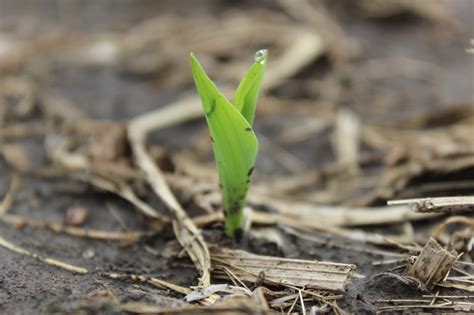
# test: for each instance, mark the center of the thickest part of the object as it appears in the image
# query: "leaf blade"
(245, 99)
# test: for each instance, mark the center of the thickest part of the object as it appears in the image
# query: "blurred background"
(352, 87)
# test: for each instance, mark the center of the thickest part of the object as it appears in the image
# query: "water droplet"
(261, 56)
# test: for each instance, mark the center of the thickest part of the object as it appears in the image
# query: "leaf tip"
(192, 59)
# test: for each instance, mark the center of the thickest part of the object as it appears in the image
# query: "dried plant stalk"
(438, 204)
(252, 268)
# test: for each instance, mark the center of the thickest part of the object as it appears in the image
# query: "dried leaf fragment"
(16, 156)
(433, 264)
(201, 293)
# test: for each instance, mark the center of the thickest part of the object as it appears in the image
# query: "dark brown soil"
(28, 286)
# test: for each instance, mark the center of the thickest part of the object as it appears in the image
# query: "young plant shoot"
(234, 143)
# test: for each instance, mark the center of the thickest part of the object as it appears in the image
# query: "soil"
(30, 286)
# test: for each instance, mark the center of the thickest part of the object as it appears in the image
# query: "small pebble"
(76, 215)
(88, 253)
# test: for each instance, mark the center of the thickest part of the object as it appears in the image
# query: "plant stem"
(234, 222)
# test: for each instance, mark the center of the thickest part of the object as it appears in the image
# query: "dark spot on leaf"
(248, 129)
(248, 181)
(212, 140)
(249, 173)
(235, 208)
(213, 108)
(220, 186)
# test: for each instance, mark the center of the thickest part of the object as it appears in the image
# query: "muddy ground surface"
(438, 76)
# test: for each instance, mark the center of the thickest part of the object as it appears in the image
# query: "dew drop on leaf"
(260, 56)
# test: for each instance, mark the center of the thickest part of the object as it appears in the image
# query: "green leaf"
(234, 144)
(245, 99)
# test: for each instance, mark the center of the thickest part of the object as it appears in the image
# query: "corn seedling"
(234, 143)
